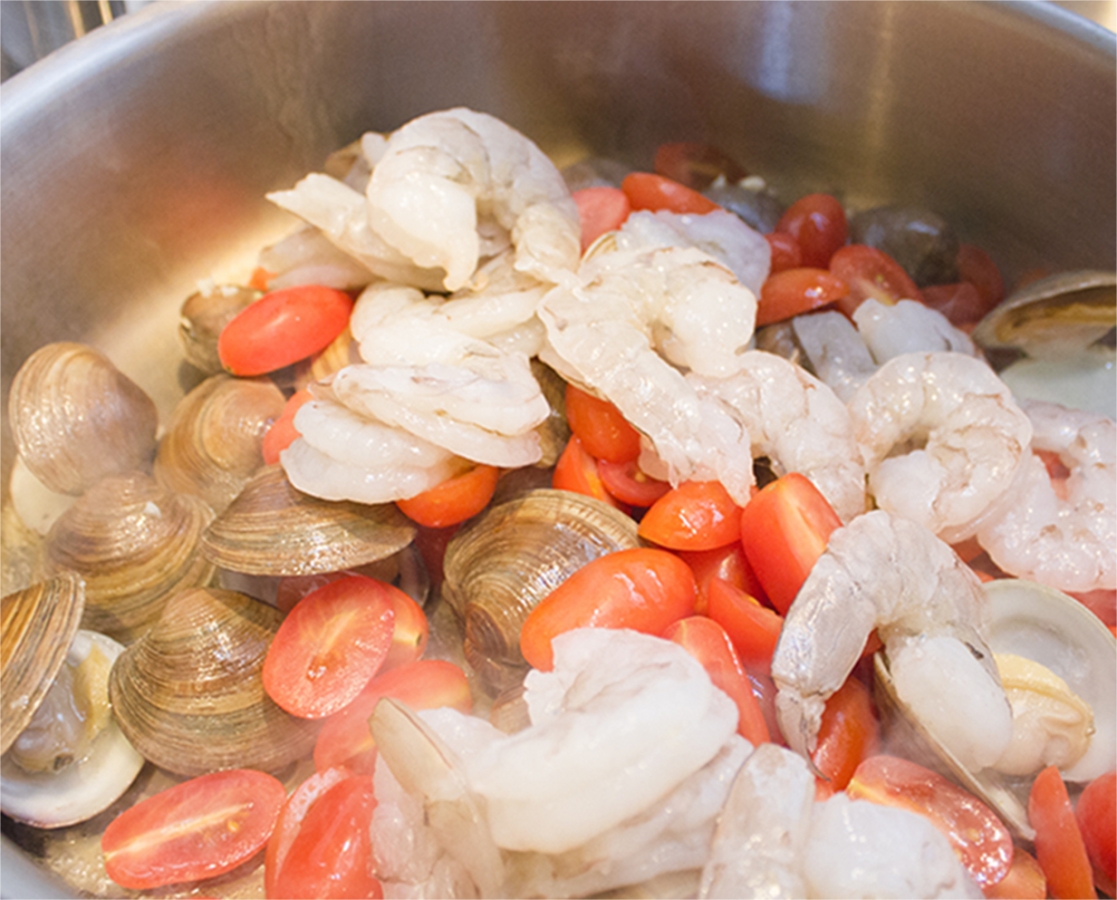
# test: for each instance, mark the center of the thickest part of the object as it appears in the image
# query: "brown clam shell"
(212, 445)
(203, 316)
(76, 418)
(189, 694)
(273, 529)
(134, 543)
(37, 626)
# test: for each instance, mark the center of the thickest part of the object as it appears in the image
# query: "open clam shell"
(204, 315)
(189, 694)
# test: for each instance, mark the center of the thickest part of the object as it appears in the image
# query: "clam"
(76, 418)
(501, 564)
(1056, 660)
(65, 759)
(134, 543)
(204, 314)
(212, 445)
(189, 693)
(273, 529)
(341, 352)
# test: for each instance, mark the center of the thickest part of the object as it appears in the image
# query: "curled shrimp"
(942, 438)
(1066, 542)
(796, 421)
(887, 573)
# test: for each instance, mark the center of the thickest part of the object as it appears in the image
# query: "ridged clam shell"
(37, 626)
(76, 418)
(189, 694)
(212, 445)
(273, 529)
(202, 317)
(134, 543)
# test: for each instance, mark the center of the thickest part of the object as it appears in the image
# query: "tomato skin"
(1060, 848)
(1024, 881)
(644, 589)
(976, 267)
(329, 646)
(818, 223)
(870, 272)
(753, 628)
(849, 734)
(601, 209)
(290, 819)
(728, 563)
(625, 482)
(785, 252)
(696, 165)
(794, 291)
(696, 515)
(707, 642)
(1096, 813)
(454, 500)
(410, 630)
(282, 431)
(601, 427)
(784, 529)
(978, 837)
(646, 190)
(576, 471)
(197, 829)
(283, 327)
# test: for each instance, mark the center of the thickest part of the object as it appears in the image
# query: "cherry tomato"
(194, 830)
(696, 165)
(282, 431)
(976, 267)
(959, 301)
(795, 291)
(329, 646)
(818, 223)
(601, 427)
(849, 733)
(283, 327)
(576, 470)
(1024, 881)
(646, 190)
(625, 482)
(345, 738)
(1060, 848)
(785, 252)
(707, 642)
(290, 819)
(870, 272)
(696, 515)
(784, 530)
(728, 563)
(644, 589)
(753, 628)
(410, 630)
(454, 500)
(978, 837)
(1096, 813)
(330, 853)
(600, 209)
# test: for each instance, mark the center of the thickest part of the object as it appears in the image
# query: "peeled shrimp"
(907, 326)
(836, 351)
(887, 573)
(941, 437)
(798, 422)
(1069, 543)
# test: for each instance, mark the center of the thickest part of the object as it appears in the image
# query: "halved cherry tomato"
(601, 427)
(282, 431)
(576, 470)
(729, 563)
(754, 629)
(410, 631)
(959, 301)
(345, 738)
(784, 529)
(1024, 881)
(707, 642)
(794, 291)
(848, 734)
(329, 646)
(696, 515)
(646, 190)
(601, 209)
(1096, 813)
(283, 327)
(818, 223)
(764, 689)
(290, 819)
(644, 589)
(454, 500)
(978, 837)
(785, 252)
(328, 844)
(625, 482)
(870, 272)
(977, 267)
(194, 830)
(1060, 848)
(696, 165)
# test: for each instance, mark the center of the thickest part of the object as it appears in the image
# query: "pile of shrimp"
(465, 244)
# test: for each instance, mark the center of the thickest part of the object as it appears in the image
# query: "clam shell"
(189, 694)
(203, 316)
(134, 543)
(273, 529)
(212, 445)
(76, 418)
(37, 626)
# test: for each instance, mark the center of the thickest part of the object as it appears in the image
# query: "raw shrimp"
(887, 573)
(1068, 543)
(836, 351)
(941, 437)
(796, 421)
(907, 326)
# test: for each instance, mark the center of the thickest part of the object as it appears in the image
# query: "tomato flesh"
(1060, 849)
(600, 210)
(576, 471)
(753, 628)
(625, 482)
(728, 563)
(601, 427)
(795, 291)
(646, 190)
(818, 223)
(197, 829)
(848, 734)
(871, 274)
(1096, 813)
(696, 515)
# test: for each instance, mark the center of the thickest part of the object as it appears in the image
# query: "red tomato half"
(290, 819)
(601, 427)
(576, 471)
(454, 500)
(600, 210)
(696, 515)
(646, 190)
(1096, 813)
(194, 830)
(849, 734)
(1060, 848)
(754, 629)
(870, 272)
(329, 646)
(627, 483)
(283, 327)
(818, 223)
(644, 589)
(795, 291)
(728, 563)
(785, 252)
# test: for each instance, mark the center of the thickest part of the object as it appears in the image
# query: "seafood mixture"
(558, 533)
